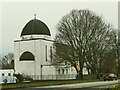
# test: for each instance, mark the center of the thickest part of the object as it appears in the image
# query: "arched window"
(66, 71)
(62, 71)
(58, 71)
(27, 56)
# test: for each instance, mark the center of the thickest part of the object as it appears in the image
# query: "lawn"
(43, 83)
(114, 87)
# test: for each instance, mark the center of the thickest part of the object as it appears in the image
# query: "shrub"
(20, 77)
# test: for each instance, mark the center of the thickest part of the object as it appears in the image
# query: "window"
(9, 74)
(58, 71)
(62, 71)
(3, 74)
(27, 56)
(66, 71)
(46, 52)
(51, 53)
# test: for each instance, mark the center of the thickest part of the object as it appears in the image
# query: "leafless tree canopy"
(7, 61)
(85, 37)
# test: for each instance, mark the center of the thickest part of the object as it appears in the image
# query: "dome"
(35, 27)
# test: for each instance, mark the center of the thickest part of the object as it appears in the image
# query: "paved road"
(78, 86)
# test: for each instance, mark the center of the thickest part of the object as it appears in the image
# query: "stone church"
(33, 53)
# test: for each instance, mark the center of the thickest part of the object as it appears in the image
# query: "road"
(78, 86)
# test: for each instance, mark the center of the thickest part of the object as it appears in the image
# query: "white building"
(32, 53)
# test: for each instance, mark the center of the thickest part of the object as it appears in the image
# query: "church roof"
(35, 27)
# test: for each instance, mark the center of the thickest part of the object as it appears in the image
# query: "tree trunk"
(88, 71)
(81, 70)
(93, 71)
(79, 73)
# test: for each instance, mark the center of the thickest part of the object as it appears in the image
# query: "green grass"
(114, 87)
(43, 83)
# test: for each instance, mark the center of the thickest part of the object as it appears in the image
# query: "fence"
(53, 77)
(13, 79)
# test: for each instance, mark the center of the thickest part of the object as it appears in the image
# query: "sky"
(15, 15)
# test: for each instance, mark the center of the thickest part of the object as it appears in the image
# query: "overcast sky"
(16, 15)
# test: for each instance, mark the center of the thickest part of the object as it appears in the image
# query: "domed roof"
(35, 27)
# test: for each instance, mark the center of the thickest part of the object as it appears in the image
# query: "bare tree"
(82, 37)
(7, 61)
(99, 50)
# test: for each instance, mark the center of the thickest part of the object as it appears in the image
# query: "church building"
(33, 53)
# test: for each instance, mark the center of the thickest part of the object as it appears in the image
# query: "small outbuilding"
(7, 76)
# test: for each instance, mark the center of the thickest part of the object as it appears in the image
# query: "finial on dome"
(34, 16)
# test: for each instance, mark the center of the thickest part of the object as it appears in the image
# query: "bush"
(19, 77)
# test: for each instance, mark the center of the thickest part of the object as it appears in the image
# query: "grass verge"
(43, 83)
